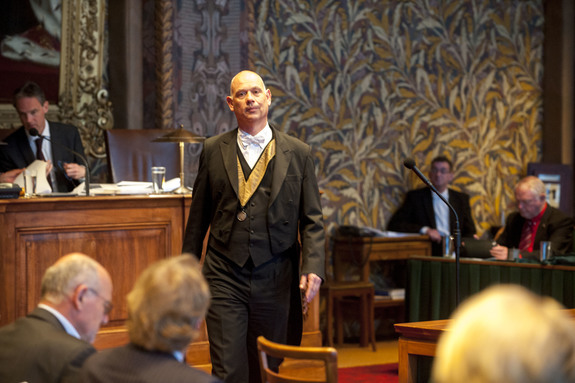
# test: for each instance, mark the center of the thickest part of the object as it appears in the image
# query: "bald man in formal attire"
(257, 192)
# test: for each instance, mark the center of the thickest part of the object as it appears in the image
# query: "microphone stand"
(34, 132)
(410, 164)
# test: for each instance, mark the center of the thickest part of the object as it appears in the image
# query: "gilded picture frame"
(83, 99)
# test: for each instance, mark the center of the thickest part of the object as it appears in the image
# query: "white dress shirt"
(441, 213)
(253, 146)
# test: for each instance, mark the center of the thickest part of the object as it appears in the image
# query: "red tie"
(39, 154)
(526, 236)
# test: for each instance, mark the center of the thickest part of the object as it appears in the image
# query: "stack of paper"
(391, 293)
(131, 187)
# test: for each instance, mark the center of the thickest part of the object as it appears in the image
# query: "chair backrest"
(327, 355)
(131, 154)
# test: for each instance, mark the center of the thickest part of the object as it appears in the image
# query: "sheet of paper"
(39, 168)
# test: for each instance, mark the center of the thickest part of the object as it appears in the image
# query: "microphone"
(34, 132)
(410, 164)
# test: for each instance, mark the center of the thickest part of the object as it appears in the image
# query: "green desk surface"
(431, 283)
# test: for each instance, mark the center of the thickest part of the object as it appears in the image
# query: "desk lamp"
(181, 136)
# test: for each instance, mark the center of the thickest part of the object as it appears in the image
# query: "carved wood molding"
(83, 99)
(164, 26)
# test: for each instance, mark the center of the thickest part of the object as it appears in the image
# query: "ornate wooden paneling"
(124, 233)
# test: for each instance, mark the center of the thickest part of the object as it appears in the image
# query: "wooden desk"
(420, 339)
(124, 233)
(417, 339)
(363, 250)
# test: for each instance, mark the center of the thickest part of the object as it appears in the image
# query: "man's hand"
(434, 235)
(75, 171)
(309, 283)
(10, 175)
(499, 252)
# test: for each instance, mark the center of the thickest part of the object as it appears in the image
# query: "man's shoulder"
(459, 194)
(556, 214)
(61, 126)
(158, 363)
(418, 192)
(287, 142)
(222, 137)
(16, 135)
(44, 330)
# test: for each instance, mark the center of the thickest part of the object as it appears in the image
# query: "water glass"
(29, 183)
(545, 251)
(447, 245)
(158, 178)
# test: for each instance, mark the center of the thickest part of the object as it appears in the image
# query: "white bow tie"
(247, 140)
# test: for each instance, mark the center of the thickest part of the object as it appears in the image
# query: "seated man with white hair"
(54, 340)
(507, 334)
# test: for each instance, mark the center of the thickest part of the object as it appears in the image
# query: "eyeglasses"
(108, 306)
(526, 202)
(440, 171)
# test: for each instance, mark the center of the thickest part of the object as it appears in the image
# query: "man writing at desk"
(535, 221)
(425, 213)
(22, 148)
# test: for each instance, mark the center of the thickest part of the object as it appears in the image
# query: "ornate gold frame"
(83, 101)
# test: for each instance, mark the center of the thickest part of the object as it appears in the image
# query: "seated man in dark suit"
(425, 213)
(22, 148)
(535, 221)
(165, 310)
(54, 340)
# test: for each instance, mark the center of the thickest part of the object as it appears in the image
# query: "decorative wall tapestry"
(368, 83)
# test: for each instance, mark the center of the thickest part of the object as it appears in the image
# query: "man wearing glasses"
(535, 221)
(52, 342)
(425, 213)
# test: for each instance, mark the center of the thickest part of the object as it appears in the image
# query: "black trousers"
(246, 302)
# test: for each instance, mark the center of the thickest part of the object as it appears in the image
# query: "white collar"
(262, 138)
(45, 133)
(68, 327)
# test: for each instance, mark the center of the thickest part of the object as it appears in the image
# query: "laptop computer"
(476, 248)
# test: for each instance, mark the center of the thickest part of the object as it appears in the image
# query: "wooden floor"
(348, 355)
(351, 355)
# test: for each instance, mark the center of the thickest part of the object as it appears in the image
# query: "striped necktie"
(526, 236)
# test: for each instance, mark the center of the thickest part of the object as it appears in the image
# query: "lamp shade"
(180, 135)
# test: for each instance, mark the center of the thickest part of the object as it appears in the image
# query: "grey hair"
(534, 184)
(66, 274)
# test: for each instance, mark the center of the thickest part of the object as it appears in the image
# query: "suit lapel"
(428, 203)
(452, 200)
(542, 228)
(57, 150)
(282, 160)
(24, 147)
(228, 151)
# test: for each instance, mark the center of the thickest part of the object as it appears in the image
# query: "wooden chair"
(340, 292)
(131, 154)
(324, 359)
